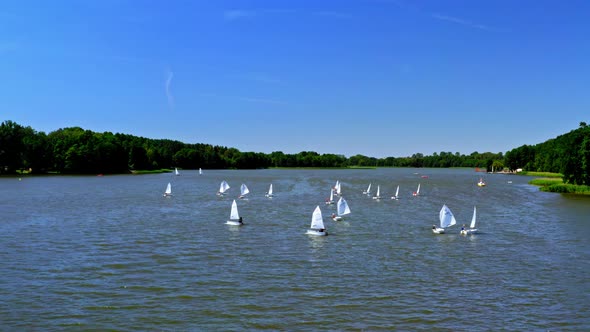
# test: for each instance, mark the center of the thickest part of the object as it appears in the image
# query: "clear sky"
(373, 77)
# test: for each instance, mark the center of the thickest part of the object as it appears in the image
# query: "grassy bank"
(543, 174)
(556, 185)
(310, 168)
(154, 171)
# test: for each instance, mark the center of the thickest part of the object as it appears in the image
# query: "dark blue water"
(84, 253)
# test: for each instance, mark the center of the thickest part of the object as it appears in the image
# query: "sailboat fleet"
(168, 191)
(234, 216)
(396, 196)
(318, 228)
(330, 200)
(471, 229)
(446, 219)
(378, 194)
(243, 191)
(342, 209)
(368, 191)
(223, 187)
(269, 192)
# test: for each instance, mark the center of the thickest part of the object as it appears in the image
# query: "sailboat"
(200, 171)
(168, 191)
(447, 219)
(396, 193)
(176, 171)
(330, 201)
(378, 195)
(368, 191)
(417, 192)
(234, 216)
(269, 193)
(243, 191)
(317, 224)
(223, 187)
(339, 189)
(481, 183)
(341, 208)
(472, 228)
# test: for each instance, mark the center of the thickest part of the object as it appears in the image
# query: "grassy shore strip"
(154, 171)
(544, 182)
(556, 185)
(314, 168)
(543, 174)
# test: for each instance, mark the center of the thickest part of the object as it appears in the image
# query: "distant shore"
(556, 185)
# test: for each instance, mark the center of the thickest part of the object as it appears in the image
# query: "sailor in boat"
(463, 228)
(240, 221)
(433, 226)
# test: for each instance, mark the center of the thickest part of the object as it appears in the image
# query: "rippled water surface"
(110, 252)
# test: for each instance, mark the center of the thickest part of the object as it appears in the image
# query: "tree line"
(77, 151)
(568, 154)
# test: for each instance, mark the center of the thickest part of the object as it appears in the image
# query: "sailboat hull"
(469, 231)
(234, 223)
(316, 232)
(337, 218)
(438, 230)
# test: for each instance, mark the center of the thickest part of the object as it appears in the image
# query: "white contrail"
(168, 93)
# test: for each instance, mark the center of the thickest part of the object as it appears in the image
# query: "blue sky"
(373, 77)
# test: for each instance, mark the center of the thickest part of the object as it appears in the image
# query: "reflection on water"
(111, 253)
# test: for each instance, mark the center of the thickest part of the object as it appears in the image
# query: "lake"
(111, 253)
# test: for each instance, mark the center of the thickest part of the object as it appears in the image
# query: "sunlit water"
(111, 252)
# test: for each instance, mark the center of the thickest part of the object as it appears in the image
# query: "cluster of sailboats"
(396, 196)
(317, 227)
(447, 219)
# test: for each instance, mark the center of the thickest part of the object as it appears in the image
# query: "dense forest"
(568, 154)
(78, 151)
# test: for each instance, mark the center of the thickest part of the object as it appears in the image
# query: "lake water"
(111, 253)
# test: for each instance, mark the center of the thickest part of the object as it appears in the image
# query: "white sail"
(473, 219)
(446, 217)
(200, 171)
(269, 193)
(176, 171)
(418, 190)
(223, 187)
(168, 191)
(342, 207)
(234, 211)
(317, 221)
(331, 199)
(244, 190)
(368, 192)
(396, 193)
(339, 189)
